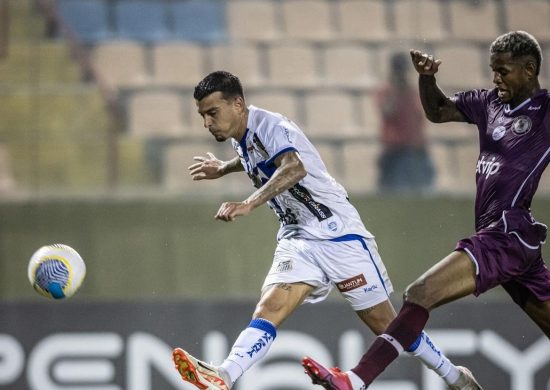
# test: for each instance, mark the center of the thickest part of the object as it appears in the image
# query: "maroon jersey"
(514, 150)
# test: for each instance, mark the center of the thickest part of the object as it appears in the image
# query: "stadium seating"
(88, 19)
(121, 63)
(155, 114)
(144, 20)
(260, 16)
(242, 59)
(455, 164)
(292, 65)
(330, 155)
(331, 114)
(453, 131)
(477, 21)
(361, 167)
(319, 62)
(364, 20)
(307, 20)
(464, 66)
(177, 64)
(370, 115)
(282, 102)
(199, 20)
(529, 15)
(349, 66)
(407, 14)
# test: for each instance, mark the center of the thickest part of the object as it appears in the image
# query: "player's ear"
(238, 102)
(531, 68)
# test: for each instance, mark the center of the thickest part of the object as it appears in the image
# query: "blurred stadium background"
(98, 126)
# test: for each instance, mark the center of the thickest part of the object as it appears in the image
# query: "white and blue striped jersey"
(317, 207)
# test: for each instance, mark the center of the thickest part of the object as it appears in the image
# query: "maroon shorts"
(508, 252)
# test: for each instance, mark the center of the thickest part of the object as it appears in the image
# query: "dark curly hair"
(220, 81)
(519, 44)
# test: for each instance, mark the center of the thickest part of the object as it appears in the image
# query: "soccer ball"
(56, 271)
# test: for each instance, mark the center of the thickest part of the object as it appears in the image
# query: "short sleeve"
(473, 104)
(281, 139)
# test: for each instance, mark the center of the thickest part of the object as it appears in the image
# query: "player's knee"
(416, 292)
(271, 310)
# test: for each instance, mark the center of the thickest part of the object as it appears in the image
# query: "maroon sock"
(405, 329)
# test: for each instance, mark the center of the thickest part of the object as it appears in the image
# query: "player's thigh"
(452, 278)
(294, 262)
(279, 300)
(378, 317)
(356, 270)
(539, 312)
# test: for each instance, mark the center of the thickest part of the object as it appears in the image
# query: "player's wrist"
(427, 77)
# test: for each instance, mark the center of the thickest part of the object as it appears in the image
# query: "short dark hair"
(519, 44)
(220, 81)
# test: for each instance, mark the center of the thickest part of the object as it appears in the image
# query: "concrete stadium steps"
(72, 165)
(74, 112)
(39, 62)
(26, 20)
(49, 165)
(55, 135)
(133, 167)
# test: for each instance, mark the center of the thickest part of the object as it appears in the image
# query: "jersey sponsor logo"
(521, 125)
(302, 195)
(287, 134)
(288, 218)
(499, 132)
(487, 167)
(283, 266)
(371, 288)
(351, 283)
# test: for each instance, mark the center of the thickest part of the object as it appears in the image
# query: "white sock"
(251, 345)
(424, 349)
(356, 382)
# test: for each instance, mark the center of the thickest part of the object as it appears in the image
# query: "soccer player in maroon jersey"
(513, 120)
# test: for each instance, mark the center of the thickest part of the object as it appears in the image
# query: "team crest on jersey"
(499, 132)
(521, 125)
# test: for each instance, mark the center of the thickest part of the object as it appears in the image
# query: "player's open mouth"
(502, 93)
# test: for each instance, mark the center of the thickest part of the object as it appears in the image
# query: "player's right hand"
(424, 63)
(207, 167)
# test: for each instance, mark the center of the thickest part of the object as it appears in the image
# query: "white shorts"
(350, 263)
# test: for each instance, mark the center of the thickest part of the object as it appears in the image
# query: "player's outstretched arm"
(437, 106)
(210, 167)
(290, 170)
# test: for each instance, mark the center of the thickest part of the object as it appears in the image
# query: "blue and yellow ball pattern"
(56, 271)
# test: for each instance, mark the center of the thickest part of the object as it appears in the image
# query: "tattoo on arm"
(233, 165)
(365, 311)
(284, 286)
(289, 172)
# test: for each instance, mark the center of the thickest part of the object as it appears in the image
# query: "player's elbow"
(299, 170)
(435, 116)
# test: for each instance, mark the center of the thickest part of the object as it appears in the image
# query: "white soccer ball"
(56, 271)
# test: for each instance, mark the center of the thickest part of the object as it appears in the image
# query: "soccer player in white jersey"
(322, 242)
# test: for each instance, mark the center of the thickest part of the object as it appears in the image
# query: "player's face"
(513, 77)
(223, 118)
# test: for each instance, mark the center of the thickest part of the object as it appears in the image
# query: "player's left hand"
(229, 210)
